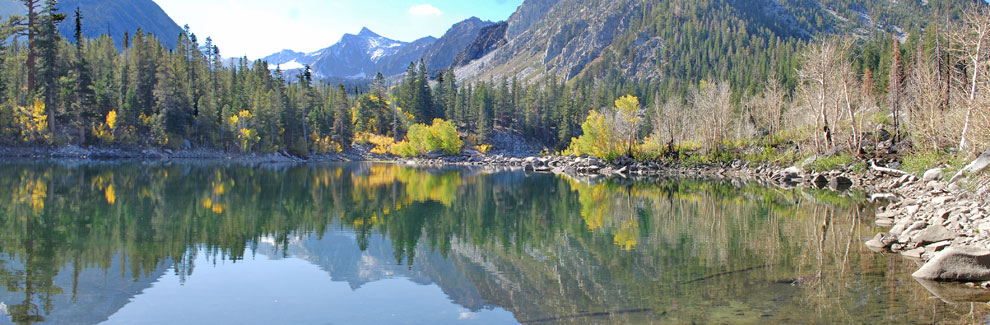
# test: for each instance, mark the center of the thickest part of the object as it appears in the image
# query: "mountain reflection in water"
(200, 242)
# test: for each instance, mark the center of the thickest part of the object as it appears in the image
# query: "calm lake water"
(176, 243)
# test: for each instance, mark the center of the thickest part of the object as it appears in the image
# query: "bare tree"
(767, 108)
(928, 98)
(668, 121)
(969, 39)
(896, 89)
(713, 103)
(853, 99)
(819, 61)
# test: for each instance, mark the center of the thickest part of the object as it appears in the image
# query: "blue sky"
(257, 28)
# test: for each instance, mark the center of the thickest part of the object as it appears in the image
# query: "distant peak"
(366, 32)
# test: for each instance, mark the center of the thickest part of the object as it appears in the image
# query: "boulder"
(840, 183)
(963, 263)
(932, 175)
(820, 181)
(792, 172)
(933, 234)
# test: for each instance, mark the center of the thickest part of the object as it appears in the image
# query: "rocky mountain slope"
(113, 17)
(645, 39)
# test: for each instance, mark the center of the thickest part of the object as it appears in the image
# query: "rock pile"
(927, 215)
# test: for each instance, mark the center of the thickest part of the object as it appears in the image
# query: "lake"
(199, 242)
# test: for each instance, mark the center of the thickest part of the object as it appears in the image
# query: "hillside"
(113, 17)
(680, 40)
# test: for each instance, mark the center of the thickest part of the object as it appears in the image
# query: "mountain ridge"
(366, 53)
(113, 17)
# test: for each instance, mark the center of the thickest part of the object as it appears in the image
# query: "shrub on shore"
(422, 139)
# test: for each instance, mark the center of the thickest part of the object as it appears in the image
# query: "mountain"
(363, 55)
(678, 40)
(489, 38)
(355, 56)
(113, 17)
(442, 53)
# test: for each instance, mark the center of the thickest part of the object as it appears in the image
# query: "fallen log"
(888, 170)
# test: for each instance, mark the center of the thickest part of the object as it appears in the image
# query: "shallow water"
(171, 243)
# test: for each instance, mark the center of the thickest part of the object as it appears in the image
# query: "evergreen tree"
(82, 108)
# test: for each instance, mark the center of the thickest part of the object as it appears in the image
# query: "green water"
(176, 243)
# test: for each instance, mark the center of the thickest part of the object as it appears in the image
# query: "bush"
(610, 134)
(421, 139)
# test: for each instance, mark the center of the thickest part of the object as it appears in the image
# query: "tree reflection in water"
(547, 248)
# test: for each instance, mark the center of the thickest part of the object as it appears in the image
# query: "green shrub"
(421, 139)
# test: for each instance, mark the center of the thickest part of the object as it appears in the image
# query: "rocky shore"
(931, 219)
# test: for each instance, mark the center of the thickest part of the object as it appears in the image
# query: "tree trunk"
(31, 56)
(852, 116)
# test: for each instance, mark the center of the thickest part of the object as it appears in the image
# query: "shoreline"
(925, 217)
(929, 219)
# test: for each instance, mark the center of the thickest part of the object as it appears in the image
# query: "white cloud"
(425, 10)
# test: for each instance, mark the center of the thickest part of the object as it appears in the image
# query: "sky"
(257, 28)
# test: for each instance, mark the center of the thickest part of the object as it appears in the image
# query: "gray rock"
(932, 175)
(941, 200)
(880, 241)
(884, 222)
(964, 263)
(933, 234)
(913, 253)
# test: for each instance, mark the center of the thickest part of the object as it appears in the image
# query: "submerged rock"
(963, 263)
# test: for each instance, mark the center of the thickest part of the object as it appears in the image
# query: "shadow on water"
(546, 248)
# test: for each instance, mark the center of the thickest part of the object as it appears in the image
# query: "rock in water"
(933, 175)
(964, 263)
(881, 242)
(820, 181)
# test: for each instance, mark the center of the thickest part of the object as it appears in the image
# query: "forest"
(728, 91)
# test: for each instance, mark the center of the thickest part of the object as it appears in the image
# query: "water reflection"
(545, 248)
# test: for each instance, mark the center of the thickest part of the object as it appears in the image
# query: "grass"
(768, 155)
(837, 162)
(920, 162)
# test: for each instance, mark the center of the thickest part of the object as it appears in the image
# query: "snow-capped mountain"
(365, 54)
(355, 56)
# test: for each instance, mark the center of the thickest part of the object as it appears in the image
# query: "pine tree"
(83, 106)
(423, 97)
(46, 46)
(342, 126)
(451, 100)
